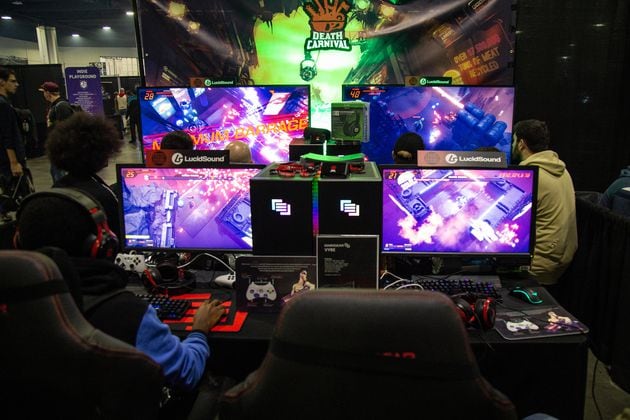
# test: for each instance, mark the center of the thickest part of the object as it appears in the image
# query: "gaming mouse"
(526, 294)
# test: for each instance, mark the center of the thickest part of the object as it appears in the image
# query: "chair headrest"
(353, 326)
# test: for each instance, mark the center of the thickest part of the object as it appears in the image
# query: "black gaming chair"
(367, 354)
(53, 363)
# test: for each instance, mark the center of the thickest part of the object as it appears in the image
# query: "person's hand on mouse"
(208, 315)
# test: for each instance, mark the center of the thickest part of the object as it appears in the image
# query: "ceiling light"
(7, 17)
(75, 35)
(599, 25)
(107, 28)
(129, 13)
(17, 3)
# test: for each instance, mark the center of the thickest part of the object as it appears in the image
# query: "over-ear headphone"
(102, 243)
(351, 126)
(167, 278)
(479, 313)
(316, 135)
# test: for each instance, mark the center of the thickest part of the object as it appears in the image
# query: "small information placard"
(187, 158)
(457, 159)
(348, 261)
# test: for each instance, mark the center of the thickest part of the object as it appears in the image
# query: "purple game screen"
(465, 211)
(265, 117)
(447, 117)
(186, 208)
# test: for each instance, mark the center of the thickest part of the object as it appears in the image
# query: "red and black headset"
(167, 278)
(102, 244)
(475, 312)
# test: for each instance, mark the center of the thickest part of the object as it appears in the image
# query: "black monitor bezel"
(145, 88)
(119, 193)
(524, 257)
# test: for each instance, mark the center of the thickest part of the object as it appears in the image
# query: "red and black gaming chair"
(341, 354)
(53, 363)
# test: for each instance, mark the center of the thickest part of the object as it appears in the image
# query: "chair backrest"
(367, 354)
(621, 202)
(53, 363)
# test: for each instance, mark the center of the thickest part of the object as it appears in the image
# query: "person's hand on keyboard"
(208, 315)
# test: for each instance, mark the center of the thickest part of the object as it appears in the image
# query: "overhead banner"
(326, 43)
(84, 88)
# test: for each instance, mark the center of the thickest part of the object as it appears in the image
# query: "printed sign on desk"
(348, 261)
(462, 159)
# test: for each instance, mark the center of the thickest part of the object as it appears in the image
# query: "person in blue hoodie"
(620, 183)
(48, 220)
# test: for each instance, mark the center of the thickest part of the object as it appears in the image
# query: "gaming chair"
(53, 363)
(342, 353)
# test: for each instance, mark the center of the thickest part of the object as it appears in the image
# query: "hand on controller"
(208, 315)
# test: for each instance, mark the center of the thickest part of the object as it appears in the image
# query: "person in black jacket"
(58, 111)
(82, 145)
(133, 115)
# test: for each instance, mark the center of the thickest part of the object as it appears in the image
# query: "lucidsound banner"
(325, 43)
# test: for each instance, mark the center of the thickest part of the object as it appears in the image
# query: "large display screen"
(447, 117)
(468, 212)
(265, 117)
(186, 208)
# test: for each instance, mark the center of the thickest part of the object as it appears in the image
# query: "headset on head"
(475, 312)
(102, 244)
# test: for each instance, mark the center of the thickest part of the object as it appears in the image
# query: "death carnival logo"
(327, 20)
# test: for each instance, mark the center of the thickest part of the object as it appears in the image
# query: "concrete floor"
(610, 399)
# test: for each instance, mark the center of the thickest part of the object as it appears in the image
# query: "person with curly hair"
(82, 145)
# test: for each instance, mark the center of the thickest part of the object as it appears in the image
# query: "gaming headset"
(102, 244)
(479, 313)
(167, 278)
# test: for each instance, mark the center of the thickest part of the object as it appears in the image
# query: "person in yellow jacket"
(556, 229)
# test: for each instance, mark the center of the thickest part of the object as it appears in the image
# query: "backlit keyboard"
(167, 308)
(456, 286)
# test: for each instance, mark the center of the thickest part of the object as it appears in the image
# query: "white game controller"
(523, 325)
(131, 262)
(225, 280)
(261, 291)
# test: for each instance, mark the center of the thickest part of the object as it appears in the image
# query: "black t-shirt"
(59, 111)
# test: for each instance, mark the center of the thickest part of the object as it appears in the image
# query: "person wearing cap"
(406, 148)
(59, 110)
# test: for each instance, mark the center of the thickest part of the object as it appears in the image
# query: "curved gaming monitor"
(186, 209)
(265, 117)
(464, 212)
(447, 117)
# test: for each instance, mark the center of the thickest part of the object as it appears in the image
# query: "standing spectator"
(623, 181)
(556, 228)
(12, 152)
(133, 116)
(59, 110)
(120, 101)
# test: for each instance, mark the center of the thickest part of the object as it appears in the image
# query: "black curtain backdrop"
(596, 287)
(571, 67)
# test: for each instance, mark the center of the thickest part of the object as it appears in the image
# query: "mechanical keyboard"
(166, 307)
(456, 286)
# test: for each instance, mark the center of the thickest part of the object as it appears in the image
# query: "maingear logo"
(327, 20)
(281, 207)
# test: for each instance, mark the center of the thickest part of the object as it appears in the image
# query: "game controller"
(225, 280)
(131, 262)
(522, 325)
(260, 291)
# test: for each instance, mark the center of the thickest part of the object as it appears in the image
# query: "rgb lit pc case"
(186, 209)
(485, 212)
(447, 117)
(266, 117)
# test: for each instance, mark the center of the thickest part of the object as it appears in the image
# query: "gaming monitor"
(186, 209)
(265, 117)
(447, 117)
(462, 212)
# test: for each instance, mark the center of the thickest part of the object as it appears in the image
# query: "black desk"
(544, 375)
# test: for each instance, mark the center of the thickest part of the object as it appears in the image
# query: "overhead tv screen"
(447, 117)
(265, 117)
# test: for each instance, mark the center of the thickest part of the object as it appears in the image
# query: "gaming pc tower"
(351, 205)
(282, 213)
